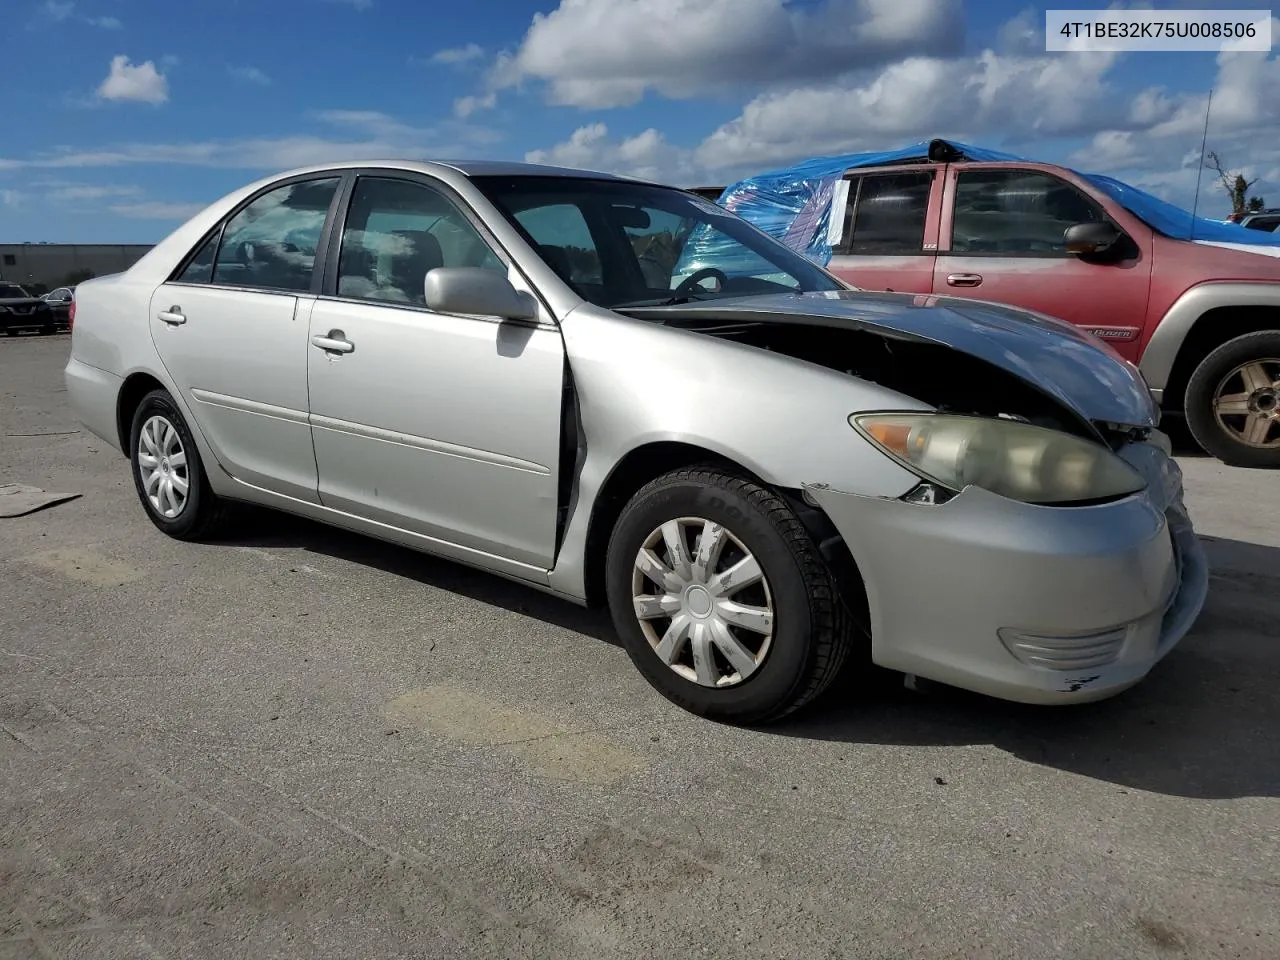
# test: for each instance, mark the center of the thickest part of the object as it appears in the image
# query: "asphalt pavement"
(302, 743)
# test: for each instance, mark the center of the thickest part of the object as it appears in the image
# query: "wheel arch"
(651, 460)
(1201, 320)
(135, 387)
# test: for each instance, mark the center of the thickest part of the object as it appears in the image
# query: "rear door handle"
(334, 342)
(173, 316)
(964, 279)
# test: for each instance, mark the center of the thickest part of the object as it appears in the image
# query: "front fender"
(1162, 349)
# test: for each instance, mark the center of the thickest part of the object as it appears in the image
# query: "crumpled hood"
(1073, 366)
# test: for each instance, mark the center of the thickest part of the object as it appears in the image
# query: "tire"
(202, 513)
(1219, 378)
(809, 634)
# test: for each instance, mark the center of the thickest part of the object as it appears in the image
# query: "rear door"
(444, 425)
(231, 330)
(886, 227)
(1002, 239)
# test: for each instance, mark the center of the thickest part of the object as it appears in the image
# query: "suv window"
(1266, 224)
(271, 243)
(886, 214)
(1017, 213)
(397, 231)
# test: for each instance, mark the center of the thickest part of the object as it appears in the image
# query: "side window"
(397, 231)
(272, 242)
(565, 242)
(1017, 213)
(200, 268)
(886, 214)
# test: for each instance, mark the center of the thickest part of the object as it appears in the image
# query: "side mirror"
(477, 292)
(1091, 239)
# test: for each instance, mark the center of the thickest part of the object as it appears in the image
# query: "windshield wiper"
(668, 301)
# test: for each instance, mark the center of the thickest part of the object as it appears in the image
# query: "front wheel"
(722, 599)
(168, 473)
(1233, 401)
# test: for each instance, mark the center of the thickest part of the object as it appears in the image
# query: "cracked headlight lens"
(1013, 459)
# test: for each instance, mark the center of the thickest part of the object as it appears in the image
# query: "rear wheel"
(1233, 401)
(168, 473)
(722, 599)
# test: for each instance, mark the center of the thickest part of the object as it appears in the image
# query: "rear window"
(11, 291)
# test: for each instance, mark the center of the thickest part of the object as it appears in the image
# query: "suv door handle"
(173, 316)
(334, 342)
(964, 279)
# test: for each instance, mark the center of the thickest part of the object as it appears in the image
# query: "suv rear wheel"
(1233, 401)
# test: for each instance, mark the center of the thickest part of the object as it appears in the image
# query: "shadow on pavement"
(268, 529)
(1204, 723)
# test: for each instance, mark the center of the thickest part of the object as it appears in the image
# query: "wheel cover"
(162, 467)
(711, 617)
(1246, 403)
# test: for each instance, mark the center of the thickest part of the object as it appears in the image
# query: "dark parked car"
(21, 311)
(59, 302)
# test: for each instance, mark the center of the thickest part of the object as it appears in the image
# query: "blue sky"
(122, 117)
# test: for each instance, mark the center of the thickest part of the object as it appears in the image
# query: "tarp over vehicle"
(793, 204)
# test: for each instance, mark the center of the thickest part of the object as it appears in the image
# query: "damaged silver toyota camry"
(623, 394)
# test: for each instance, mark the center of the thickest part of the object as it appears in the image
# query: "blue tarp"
(793, 204)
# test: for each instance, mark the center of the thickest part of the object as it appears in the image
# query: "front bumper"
(1027, 603)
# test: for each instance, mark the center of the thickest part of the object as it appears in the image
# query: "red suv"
(1201, 319)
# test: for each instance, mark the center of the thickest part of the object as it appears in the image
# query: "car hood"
(1076, 368)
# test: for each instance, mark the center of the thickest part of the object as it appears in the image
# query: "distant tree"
(1236, 186)
(1255, 205)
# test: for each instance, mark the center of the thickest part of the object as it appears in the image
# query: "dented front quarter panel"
(639, 383)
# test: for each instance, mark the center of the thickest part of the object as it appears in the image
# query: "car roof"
(467, 168)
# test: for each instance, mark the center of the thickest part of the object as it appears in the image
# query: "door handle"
(334, 342)
(964, 279)
(173, 316)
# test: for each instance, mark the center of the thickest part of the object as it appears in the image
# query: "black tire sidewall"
(1198, 405)
(159, 402)
(786, 669)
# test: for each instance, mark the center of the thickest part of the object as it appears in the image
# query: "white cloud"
(250, 75)
(355, 4)
(647, 155)
(106, 23)
(466, 106)
(58, 11)
(605, 53)
(65, 192)
(455, 55)
(11, 198)
(127, 81)
(157, 210)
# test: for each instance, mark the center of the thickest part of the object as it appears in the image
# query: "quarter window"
(396, 232)
(271, 243)
(200, 268)
(886, 214)
(1017, 213)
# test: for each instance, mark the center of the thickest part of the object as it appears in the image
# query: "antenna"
(1204, 145)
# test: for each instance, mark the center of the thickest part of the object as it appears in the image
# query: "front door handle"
(173, 316)
(334, 342)
(964, 279)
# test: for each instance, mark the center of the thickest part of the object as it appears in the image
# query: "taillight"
(71, 315)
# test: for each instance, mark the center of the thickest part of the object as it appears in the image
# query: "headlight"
(1016, 460)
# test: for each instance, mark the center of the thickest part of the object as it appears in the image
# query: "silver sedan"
(621, 393)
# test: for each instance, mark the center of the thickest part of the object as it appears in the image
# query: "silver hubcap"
(1247, 403)
(711, 616)
(162, 465)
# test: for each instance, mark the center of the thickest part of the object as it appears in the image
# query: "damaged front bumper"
(1028, 603)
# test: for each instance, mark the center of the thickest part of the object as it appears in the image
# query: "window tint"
(200, 268)
(1266, 224)
(565, 242)
(397, 231)
(10, 260)
(1017, 212)
(886, 213)
(272, 242)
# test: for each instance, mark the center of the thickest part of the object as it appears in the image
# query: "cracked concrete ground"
(300, 743)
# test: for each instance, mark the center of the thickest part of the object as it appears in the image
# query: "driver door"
(1002, 240)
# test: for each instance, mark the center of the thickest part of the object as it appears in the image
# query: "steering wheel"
(690, 283)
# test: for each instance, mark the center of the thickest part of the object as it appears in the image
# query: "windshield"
(620, 244)
(11, 291)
